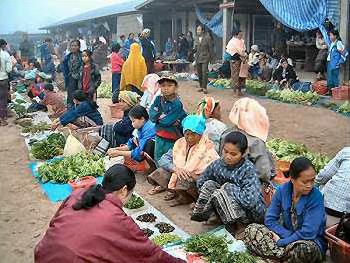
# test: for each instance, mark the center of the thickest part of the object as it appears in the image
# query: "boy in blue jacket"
(142, 145)
(167, 113)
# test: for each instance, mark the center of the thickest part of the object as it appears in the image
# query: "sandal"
(170, 196)
(156, 190)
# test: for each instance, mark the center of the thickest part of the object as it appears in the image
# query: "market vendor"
(250, 118)
(84, 114)
(284, 75)
(210, 109)
(53, 101)
(141, 144)
(120, 132)
(91, 226)
(295, 221)
(181, 166)
(334, 182)
(230, 187)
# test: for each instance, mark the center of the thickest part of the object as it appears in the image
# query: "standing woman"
(148, 49)
(91, 77)
(236, 48)
(5, 69)
(204, 48)
(72, 67)
(321, 59)
(134, 71)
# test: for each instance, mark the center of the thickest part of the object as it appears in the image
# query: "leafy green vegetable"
(239, 257)
(221, 83)
(19, 110)
(165, 238)
(42, 126)
(344, 108)
(48, 148)
(256, 87)
(291, 96)
(72, 167)
(135, 202)
(104, 90)
(20, 101)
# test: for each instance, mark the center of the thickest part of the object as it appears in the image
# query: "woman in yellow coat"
(134, 71)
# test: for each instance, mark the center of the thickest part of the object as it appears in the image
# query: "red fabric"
(37, 89)
(117, 62)
(56, 101)
(86, 78)
(167, 135)
(103, 233)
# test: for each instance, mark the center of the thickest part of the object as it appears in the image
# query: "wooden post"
(344, 31)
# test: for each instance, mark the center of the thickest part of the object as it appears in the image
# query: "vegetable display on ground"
(148, 232)
(166, 238)
(291, 96)
(164, 227)
(48, 148)
(104, 90)
(256, 87)
(221, 83)
(42, 126)
(149, 217)
(135, 202)
(344, 108)
(72, 167)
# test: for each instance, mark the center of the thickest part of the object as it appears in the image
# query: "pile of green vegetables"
(72, 167)
(104, 90)
(256, 87)
(221, 83)
(48, 148)
(291, 96)
(134, 202)
(215, 249)
(344, 108)
(287, 151)
(165, 238)
(18, 107)
(34, 128)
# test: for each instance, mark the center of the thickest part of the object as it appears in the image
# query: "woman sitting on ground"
(181, 166)
(53, 101)
(334, 182)
(250, 118)
(285, 75)
(91, 226)
(85, 113)
(141, 146)
(230, 187)
(210, 109)
(120, 132)
(295, 221)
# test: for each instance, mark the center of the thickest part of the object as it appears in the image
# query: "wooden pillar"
(344, 31)
(227, 26)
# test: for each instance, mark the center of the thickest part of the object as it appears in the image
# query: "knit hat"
(194, 123)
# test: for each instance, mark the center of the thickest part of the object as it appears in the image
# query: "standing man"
(27, 48)
(47, 50)
(148, 50)
(5, 69)
(204, 49)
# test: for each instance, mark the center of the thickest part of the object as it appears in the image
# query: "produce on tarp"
(256, 87)
(134, 202)
(148, 232)
(344, 108)
(72, 167)
(291, 96)
(48, 148)
(104, 90)
(149, 217)
(221, 83)
(166, 238)
(164, 227)
(34, 128)
(287, 151)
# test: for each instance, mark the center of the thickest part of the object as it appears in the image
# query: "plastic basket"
(341, 93)
(340, 250)
(116, 111)
(135, 166)
(320, 87)
(83, 182)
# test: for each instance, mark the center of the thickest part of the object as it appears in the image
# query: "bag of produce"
(73, 146)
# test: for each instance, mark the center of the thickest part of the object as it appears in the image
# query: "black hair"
(115, 48)
(79, 95)
(236, 32)
(202, 26)
(161, 81)
(30, 94)
(335, 33)
(298, 166)
(37, 65)
(138, 112)
(88, 52)
(115, 178)
(131, 34)
(239, 139)
(3, 42)
(75, 41)
(48, 86)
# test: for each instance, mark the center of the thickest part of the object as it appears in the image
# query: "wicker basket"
(116, 111)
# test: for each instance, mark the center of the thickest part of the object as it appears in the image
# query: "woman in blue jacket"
(295, 221)
(84, 114)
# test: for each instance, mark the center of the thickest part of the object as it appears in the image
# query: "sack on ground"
(73, 146)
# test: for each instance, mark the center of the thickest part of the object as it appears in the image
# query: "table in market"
(172, 65)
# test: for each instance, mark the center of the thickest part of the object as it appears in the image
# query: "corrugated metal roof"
(120, 8)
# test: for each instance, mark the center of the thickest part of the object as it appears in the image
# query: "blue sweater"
(146, 133)
(84, 109)
(311, 217)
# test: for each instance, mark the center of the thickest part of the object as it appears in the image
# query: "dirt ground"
(25, 212)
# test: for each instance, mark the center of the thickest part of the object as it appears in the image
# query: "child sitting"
(53, 101)
(167, 113)
(230, 187)
(143, 143)
(117, 64)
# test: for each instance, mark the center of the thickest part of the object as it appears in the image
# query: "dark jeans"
(150, 65)
(202, 71)
(115, 86)
(72, 86)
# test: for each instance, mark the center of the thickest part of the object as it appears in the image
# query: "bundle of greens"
(221, 83)
(291, 96)
(239, 257)
(165, 238)
(256, 87)
(134, 202)
(287, 151)
(104, 90)
(72, 167)
(344, 108)
(34, 128)
(48, 148)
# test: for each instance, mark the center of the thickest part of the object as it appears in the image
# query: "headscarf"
(255, 48)
(30, 75)
(150, 83)
(194, 123)
(129, 97)
(206, 107)
(249, 116)
(235, 46)
(134, 69)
